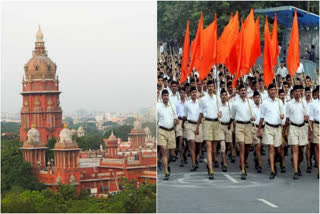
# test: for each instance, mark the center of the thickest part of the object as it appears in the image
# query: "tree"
(50, 144)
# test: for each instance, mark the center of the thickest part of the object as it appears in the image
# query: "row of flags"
(237, 50)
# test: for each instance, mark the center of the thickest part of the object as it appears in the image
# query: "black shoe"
(299, 172)
(243, 176)
(193, 169)
(295, 176)
(211, 176)
(275, 170)
(166, 177)
(309, 169)
(189, 154)
(173, 159)
(181, 164)
(216, 164)
(169, 170)
(263, 153)
(224, 168)
(233, 159)
(272, 175)
(283, 169)
(197, 165)
(259, 169)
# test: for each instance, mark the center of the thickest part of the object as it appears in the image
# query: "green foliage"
(173, 16)
(132, 199)
(10, 127)
(49, 153)
(90, 141)
(129, 121)
(121, 131)
(15, 173)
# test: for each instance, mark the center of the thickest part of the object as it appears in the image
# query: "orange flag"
(227, 40)
(185, 55)
(208, 49)
(268, 73)
(248, 57)
(293, 57)
(274, 41)
(236, 54)
(257, 45)
(195, 47)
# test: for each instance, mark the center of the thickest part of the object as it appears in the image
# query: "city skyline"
(92, 62)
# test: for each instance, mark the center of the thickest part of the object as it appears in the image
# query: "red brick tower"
(40, 92)
(66, 159)
(112, 146)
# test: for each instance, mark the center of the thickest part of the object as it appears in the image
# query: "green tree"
(50, 144)
(10, 127)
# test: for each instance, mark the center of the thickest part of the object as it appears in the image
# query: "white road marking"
(231, 178)
(268, 203)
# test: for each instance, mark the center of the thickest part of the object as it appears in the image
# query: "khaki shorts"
(255, 139)
(226, 133)
(244, 133)
(178, 129)
(212, 131)
(315, 134)
(298, 135)
(191, 132)
(166, 138)
(272, 136)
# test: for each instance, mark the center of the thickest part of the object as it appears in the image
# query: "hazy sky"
(105, 52)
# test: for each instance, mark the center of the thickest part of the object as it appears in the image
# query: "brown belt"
(257, 126)
(210, 119)
(166, 129)
(274, 126)
(180, 118)
(226, 124)
(317, 122)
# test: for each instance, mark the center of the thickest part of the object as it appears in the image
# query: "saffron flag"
(236, 52)
(227, 41)
(257, 45)
(293, 57)
(274, 41)
(195, 48)
(185, 55)
(268, 73)
(208, 49)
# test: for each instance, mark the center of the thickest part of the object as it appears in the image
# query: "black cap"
(296, 87)
(193, 89)
(271, 86)
(241, 86)
(281, 91)
(164, 91)
(307, 89)
(223, 90)
(256, 93)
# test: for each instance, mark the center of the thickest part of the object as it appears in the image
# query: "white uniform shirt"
(192, 110)
(256, 113)
(208, 106)
(283, 122)
(166, 115)
(241, 110)
(226, 112)
(271, 109)
(174, 99)
(161, 48)
(314, 110)
(263, 95)
(296, 111)
(180, 108)
(282, 71)
(287, 97)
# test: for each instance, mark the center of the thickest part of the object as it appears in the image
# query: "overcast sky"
(105, 52)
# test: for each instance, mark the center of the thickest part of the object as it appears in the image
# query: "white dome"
(33, 135)
(66, 135)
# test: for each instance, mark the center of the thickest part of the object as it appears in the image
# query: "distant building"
(81, 132)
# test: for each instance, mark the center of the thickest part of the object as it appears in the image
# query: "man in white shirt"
(272, 112)
(174, 96)
(225, 126)
(300, 70)
(211, 131)
(283, 71)
(314, 118)
(262, 92)
(191, 115)
(308, 99)
(297, 114)
(179, 130)
(284, 144)
(286, 91)
(256, 140)
(242, 113)
(167, 119)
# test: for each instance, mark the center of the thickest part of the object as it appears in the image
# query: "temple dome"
(65, 140)
(33, 138)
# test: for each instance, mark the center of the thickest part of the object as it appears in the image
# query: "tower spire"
(39, 35)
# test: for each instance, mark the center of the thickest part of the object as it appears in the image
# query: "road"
(187, 191)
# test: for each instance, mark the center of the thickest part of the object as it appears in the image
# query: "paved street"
(193, 192)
